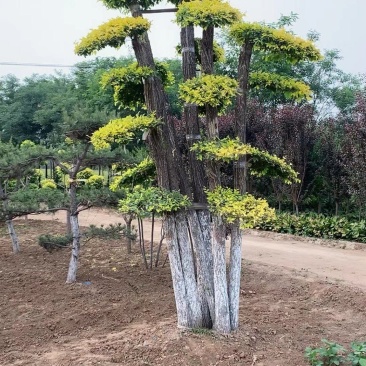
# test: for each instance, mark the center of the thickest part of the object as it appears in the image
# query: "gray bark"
(73, 265)
(74, 223)
(68, 222)
(142, 241)
(152, 241)
(200, 226)
(186, 255)
(240, 181)
(128, 221)
(177, 272)
(235, 275)
(13, 236)
(241, 122)
(222, 317)
(200, 231)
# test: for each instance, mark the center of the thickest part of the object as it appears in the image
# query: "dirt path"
(311, 260)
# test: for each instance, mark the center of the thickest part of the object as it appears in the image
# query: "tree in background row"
(354, 153)
(19, 187)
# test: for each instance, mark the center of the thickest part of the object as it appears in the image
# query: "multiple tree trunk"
(202, 293)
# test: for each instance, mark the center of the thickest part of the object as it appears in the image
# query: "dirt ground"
(118, 313)
(327, 260)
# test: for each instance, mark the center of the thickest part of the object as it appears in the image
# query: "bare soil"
(118, 313)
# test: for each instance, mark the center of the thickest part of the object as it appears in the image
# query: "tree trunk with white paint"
(199, 221)
(13, 236)
(222, 316)
(235, 275)
(181, 300)
(200, 226)
(73, 265)
(186, 255)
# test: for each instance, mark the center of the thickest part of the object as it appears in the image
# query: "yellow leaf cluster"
(122, 130)
(206, 13)
(277, 42)
(291, 88)
(143, 173)
(127, 82)
(213, 90)
(260, 163)
(236, 208)
(113, 34)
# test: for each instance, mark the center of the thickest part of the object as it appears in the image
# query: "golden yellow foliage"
(113, 34)
(277, 42)
(122, 130)
(205, 13)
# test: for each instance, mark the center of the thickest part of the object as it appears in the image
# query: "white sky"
(44, 31)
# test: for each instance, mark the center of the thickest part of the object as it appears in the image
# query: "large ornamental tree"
(195, 232)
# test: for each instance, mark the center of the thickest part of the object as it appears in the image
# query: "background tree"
(289, 131)
(354, 151)
(19, 196)
(330, 180)
(73, 157)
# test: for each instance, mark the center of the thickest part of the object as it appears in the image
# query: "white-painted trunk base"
(13, 236)
(73, 265)
(200, 227)
(186, 256)
(222, 316)
(235, 275)
(177, 272)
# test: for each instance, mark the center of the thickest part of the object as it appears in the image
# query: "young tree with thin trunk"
(203, 296)
(72, 157)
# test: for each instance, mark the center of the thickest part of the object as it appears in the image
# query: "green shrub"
(54, 242)
(318, 226)
(329, 355)
(358, 355)
(333, 354)
(116, 231)
(48, 183)
(85, 173)
(95, 181)
(35, 176)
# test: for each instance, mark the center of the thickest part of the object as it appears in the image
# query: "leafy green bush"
(144, 201)
(116, 231)
(358, 354)
(35, 176)
(334, 354)
(329, 355)
(85, 174)
(54, 242)
(95, 181)
(48, 183)
(318, 226)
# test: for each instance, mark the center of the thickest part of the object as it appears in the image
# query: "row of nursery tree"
(216, 131)
(322, 137)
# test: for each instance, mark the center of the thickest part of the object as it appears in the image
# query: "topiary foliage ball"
(125, 4)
